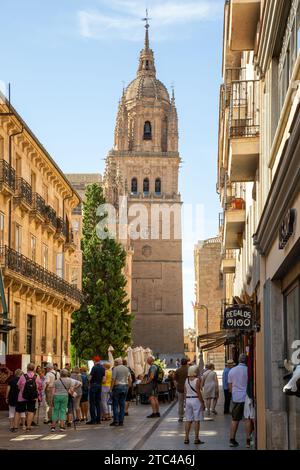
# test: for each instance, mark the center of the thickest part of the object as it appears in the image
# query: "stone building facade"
(209, 295)
(143, 166)
(259, 186)
(39, 252)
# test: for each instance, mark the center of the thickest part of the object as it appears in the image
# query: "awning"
(215, 339)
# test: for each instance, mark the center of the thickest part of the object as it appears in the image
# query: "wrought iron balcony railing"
(61, 227)
(231, 75)
(38, 204)
(23, 191)
(50, 215)
(20, 264)
(7, 175)
(244, 109)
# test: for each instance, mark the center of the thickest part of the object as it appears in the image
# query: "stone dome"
(146, 87)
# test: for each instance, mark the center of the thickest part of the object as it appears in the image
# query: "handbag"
(71, 391)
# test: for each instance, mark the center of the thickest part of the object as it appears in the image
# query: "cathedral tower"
(144, 165)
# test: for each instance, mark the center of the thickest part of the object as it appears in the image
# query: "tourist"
(177, 363)
(12, 393)
(62, 388)
(121, 380)
(237, 380)
(194, 404)
(129, 395)
(50, 377)
(96, 378)
(30, 390)
(55, 367)
(105, 392)
(227, 393)
(179, 379)
(152, 379)
(76, 375)
(84, 401)
(210, 389)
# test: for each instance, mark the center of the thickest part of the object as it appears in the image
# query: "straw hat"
(230, 362)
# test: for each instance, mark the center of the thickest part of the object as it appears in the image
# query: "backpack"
(30, 391)
(159, 376)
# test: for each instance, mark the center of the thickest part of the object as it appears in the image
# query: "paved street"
(138, 433)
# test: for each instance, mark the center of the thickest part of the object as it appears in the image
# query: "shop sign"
(287, 228)
(238, 317)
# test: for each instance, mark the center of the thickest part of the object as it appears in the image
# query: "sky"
(67, 61)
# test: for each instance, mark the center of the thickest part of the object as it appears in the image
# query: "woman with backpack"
(30, 390)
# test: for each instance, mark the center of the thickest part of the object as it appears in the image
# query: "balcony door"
(30, 336)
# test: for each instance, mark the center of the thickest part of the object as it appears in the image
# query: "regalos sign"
(238, 317)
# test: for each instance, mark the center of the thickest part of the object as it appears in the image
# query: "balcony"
(70, 244)
(235, 220)
(7, 179)
(38, 208)
(244, 130)
(61, 230)
(228, 262)
(27, 273)
(23, 195)
(50, 220)
(244, 17)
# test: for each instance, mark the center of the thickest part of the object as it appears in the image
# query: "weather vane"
(146, 19)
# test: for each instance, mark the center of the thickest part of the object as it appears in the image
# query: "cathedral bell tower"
(143, 165)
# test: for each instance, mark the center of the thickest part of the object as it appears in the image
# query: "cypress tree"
(103, 318)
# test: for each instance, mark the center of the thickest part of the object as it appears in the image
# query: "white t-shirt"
(50, 378)
(238, 377)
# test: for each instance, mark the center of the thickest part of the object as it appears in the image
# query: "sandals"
(186, 441)
(197, 441)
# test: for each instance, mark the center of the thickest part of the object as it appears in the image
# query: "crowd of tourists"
(198, 394)
(66, 397)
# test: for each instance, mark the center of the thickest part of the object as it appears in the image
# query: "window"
(33, 181)
(44, 332)
(186, 347)
(146, 186)
(147, 65)
(1, 229)
(18, 165)
(74, 276)
(157, 186)
(16, 323)
(18, 238)
(29, 337)
(134, 186)
(60, 265)
(55, 323)
(45, 256)
(147, 131)
(32, 247)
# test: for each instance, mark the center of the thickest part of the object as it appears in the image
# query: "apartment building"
(259, 187)
(40, 256)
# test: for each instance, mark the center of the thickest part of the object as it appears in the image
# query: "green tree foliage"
(103, 318)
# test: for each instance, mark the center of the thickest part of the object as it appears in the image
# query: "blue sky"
(66, 61)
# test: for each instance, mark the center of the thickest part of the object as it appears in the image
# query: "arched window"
(147, 131)
(146, 186)
(157, 186)
(134, 185)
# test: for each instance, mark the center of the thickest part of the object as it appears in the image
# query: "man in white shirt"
(50, 378)
(237, 382)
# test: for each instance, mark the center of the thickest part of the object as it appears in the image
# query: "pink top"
(21, 385)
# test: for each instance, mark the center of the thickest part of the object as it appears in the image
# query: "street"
(138, 433)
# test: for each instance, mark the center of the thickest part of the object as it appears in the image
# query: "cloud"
(121, 18)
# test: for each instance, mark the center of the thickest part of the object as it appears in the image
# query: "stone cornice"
(284, 188)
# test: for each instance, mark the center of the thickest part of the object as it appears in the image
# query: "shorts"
(193, 411)
(12, 412)
(249, 412)
(237, 412)
(84, 398)
(153, 392)
(23, 406)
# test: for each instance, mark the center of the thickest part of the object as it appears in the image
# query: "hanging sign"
(287, 228)
(238, 317)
